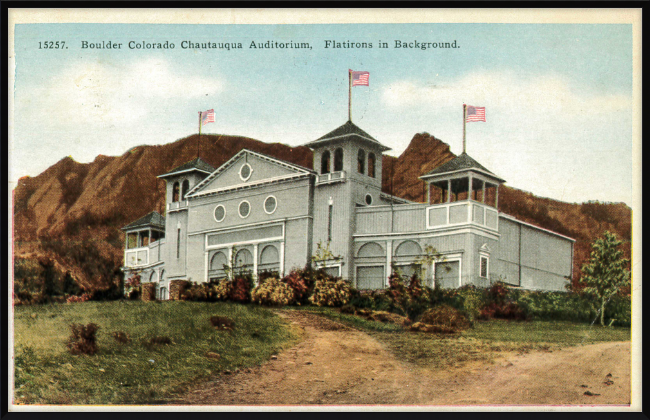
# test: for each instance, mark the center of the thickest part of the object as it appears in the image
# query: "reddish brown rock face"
(89, 202)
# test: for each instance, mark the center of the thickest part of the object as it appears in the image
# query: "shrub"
(221, 291)
(508, 310)
(196, 292)
(266, 274)
(501, 304)
(273, 292)
(76, 299)
(444, 319)
(222, 322)
(241, 288)
(83, 339)
(330, 293)
(348, 309)
(408, 295)
(301, 282)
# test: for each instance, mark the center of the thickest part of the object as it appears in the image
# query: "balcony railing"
(177, 205)
(462, 212)
(330, 178)
(422, 217)
(136, 256)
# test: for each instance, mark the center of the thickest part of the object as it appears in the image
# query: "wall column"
(255, 248)
(206, 266)
(231, 263)
(428, 193)
(389, 261)
(483, 194)
(449, 190)
(282, 259)
(469, 188)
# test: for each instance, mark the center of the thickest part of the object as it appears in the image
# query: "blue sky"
(558, 97)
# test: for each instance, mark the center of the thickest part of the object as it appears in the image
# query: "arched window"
(338, 160)
(371, 165)
(175, 192)
(371, 249)
(408, 248)
(361, 161)
(325, 163)
(186, 188)
(243, 261)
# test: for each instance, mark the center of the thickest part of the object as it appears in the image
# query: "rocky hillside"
(70, 214)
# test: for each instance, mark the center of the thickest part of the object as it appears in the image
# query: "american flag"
(475, 113)
(207, 116)
(360, 78)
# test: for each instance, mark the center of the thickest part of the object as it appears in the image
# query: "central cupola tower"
(348, 163)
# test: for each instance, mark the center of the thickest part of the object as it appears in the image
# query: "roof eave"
(182, 172)
(320, 142)
(477, 170)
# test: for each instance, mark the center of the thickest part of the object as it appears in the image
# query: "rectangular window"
(329, 224)
(178, 244)
(484, 267)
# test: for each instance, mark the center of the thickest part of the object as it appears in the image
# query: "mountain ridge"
(75, 209)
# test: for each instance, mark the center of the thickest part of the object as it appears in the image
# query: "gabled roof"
(153, 219)
(463, 162)
(349, 130)
(196, 165)
(297, 168)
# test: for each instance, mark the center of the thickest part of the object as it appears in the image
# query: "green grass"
(482, 343)
(46, 373)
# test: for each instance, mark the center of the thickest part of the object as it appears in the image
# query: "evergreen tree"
(604, 275)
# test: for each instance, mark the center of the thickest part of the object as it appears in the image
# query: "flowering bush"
(222, 290)
(76, 299)
(132, 286)
(196, 292)
(241, 288)
(501, 304)
(410, 299)
(302, 282)
(273, 292)
(330, 293)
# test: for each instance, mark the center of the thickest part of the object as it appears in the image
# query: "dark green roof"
(347, 130)
(153, 219)
(460, 163)
(197, 164)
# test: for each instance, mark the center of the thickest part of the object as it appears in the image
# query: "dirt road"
(337, 365)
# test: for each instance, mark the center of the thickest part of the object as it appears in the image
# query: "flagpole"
(464, 122)
(349, 95)
(198, 143)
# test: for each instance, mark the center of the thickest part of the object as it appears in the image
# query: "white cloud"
(111, 94)
(547, 95)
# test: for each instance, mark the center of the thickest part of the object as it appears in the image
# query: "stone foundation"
(148, 292)
(176, 288)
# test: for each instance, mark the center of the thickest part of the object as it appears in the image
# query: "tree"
(605, 274)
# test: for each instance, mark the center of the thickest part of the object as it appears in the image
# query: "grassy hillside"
(136, 372)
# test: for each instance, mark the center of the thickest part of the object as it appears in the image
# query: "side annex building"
(264, 214)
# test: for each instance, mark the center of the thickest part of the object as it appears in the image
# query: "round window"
(219, 213)
(245, 171)
(244, 209)
(270, 204)
(368, 199)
